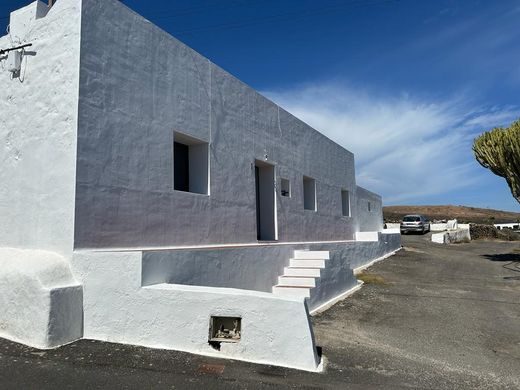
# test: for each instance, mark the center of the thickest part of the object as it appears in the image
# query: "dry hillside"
(461, 213)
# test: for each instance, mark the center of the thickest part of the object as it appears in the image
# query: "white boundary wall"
(452, 236)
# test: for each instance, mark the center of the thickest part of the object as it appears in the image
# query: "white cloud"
(497, 116)
(405, 148)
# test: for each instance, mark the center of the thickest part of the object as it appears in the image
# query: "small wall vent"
(224, 330)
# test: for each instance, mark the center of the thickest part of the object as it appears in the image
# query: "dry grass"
(371, 278)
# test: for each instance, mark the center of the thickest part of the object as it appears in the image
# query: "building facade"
(157, 178)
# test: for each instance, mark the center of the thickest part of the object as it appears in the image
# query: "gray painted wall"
(369, 220)
(137, 86)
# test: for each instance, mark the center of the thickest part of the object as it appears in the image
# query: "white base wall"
(258, 267)
(41, 303)
(275, 330)
(46, 302)
(125, 301)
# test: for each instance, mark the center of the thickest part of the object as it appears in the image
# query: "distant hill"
(461, 213)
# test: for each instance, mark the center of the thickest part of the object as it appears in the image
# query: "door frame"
(271, 234)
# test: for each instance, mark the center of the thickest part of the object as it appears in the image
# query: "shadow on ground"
(512, 261)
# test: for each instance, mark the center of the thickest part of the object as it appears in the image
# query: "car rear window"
(411, 219)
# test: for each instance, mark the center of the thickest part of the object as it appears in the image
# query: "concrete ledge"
(365, 266)
(392, 230)
(327, 305)
(367, 236)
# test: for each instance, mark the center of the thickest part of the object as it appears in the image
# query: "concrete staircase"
(300, 276)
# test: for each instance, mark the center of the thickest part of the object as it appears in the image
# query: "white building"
(147, 196)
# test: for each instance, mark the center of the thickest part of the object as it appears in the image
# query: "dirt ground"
(432, 316)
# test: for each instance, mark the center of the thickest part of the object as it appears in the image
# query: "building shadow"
(511, 260)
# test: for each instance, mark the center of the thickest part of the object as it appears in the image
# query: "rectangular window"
(190, 164)
(285, 187)
(345, 203)
(309, 193)
(369, 207)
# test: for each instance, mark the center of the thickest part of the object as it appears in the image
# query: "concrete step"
(313, 255)
(296, 281)
(290, 291)
(294, 271)
(306, 263)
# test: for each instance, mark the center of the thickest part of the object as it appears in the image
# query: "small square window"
(190, 164)
(309, 193)
(285, 187)
(345, 203)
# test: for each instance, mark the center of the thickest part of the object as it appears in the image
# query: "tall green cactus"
(499, 151)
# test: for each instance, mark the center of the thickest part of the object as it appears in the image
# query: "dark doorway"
(181, 167)
(265, 202)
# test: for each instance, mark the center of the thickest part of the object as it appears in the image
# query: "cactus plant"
(499, 151)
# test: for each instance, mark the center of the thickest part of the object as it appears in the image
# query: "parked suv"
(415, 223)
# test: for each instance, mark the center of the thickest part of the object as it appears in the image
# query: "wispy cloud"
(406, 148)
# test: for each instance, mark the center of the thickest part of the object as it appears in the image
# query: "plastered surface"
(91, 166)
(38, 132)
(452, 236)
(40, 301)
(137, 86)
(368, 220)
(274, 330)
(258, 268)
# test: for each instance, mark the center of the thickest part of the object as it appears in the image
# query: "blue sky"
(406, 85)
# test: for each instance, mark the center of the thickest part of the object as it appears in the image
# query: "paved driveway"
(429, 317)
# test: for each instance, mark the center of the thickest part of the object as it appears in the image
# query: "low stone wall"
(439, 227)
(452, 236)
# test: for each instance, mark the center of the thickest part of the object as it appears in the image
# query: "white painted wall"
(132, 97)
(369, 217)
(38, 131)
(40, 301)
(257, 268)
(367, 236)
(439, 227)
(138, 85)
(275, 330)
(452, 236)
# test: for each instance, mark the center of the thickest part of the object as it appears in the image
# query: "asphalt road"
(440, 317)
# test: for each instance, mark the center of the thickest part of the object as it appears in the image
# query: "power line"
(266, 19)
(286, 16)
